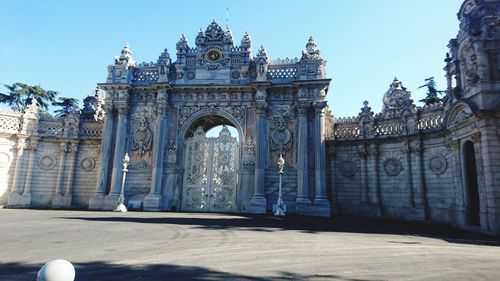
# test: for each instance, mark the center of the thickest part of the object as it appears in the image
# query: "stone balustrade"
(390, 124)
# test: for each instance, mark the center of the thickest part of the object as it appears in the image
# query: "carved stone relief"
(47, 162)
(281, 135)
(139, 164)
(237, 111)
(392, 167)
(348, 168)
(470, 64)
(438, 164)
(142, 137)
(249, 153)
(460, 116)
(171, 150)
(87, 163)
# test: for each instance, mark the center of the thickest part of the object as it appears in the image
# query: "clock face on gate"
(213, 55)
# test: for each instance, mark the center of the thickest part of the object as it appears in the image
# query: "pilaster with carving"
(97, 200)
(373, 180)
(15, 197)
(303, 201)
(154, 200)
(406, 149)
(73, 149)
(321, 203)
(58, 197)
(454, 148)
(362, 154)
(122, 107)
(32, 146)
(258, 201)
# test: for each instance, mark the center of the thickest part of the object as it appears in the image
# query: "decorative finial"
(311, 52)
(448, 58)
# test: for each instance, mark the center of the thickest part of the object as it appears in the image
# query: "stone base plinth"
(96, 202)
(17, 200)
(303, 206)
(321, 207)
(258, 205)
(111, 201)
(61, 201)
(153, 202)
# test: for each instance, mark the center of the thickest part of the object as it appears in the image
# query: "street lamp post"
(121, 200)
(280, 206)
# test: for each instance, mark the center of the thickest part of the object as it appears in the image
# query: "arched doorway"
(472, 191)
(211, 164)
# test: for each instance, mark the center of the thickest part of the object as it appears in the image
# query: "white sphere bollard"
(56, 270)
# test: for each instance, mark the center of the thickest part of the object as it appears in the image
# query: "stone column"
(258, 201)
(153, 201)
(29, 174)
(15, 198)
(58, 198)
(303, 200)
(111, 199)
(321, 204)
(96, 202)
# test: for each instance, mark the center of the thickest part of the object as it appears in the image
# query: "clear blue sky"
(66, 45)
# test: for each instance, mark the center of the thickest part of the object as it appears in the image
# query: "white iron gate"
(211, 173)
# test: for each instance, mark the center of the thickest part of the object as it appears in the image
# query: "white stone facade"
(438, 163)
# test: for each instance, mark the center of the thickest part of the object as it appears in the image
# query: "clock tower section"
(215, 59)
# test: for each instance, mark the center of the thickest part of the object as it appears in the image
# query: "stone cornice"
(114, 86)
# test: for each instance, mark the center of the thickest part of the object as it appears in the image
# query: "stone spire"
(214, 32)
(164, 57)
(126, 57)
(366, 112)
(228, 35)
(246, 42)
(182, 45)
(262, 53)
(200, 38)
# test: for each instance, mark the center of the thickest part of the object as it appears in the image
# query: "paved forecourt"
(194, 246)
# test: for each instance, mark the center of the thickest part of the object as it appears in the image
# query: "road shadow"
(311, 225)
(104, 271)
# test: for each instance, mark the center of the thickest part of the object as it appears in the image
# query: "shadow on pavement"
(103, 271)
(313, 225)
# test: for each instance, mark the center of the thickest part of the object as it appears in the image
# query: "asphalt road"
(190, 246)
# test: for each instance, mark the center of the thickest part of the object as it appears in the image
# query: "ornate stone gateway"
(152, 110)
(211, 174)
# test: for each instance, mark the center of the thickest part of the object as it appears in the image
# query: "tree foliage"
(21, 95)
(66, 105)
(432, 92)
